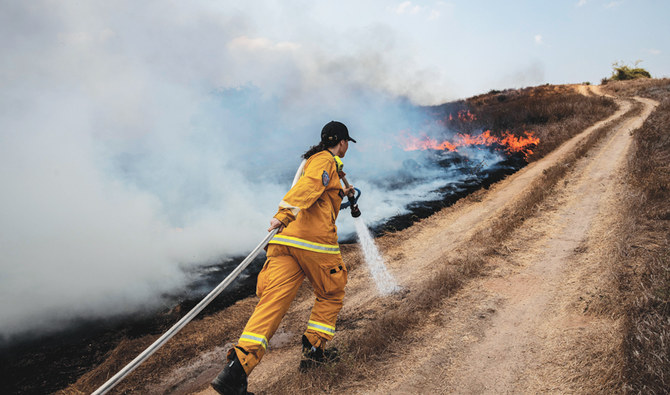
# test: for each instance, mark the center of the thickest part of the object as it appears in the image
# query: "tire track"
(499, 343)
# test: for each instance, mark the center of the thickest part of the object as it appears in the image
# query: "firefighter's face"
(344, 146)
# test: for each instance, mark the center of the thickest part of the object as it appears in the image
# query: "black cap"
(335, 131)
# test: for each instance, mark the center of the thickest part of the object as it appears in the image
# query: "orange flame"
(464, 116)
(507, 142)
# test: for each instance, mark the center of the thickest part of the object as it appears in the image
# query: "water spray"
(384, 281)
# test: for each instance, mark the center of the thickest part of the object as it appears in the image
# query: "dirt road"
(528, 326)
(537, 320)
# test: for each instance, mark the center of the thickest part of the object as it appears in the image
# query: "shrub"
(623, 72)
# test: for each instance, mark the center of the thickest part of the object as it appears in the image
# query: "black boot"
(233, 379)
(313, 357)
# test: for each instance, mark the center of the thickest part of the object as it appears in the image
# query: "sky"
(469, 47)
(140, 139)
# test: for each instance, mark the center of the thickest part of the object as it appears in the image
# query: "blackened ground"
(51, 363)
(451, 193)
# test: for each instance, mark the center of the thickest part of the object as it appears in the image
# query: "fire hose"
(112, 382)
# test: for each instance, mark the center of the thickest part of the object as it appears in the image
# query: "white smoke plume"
(138, 138)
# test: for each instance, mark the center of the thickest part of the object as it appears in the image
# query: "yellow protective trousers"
(278, 283)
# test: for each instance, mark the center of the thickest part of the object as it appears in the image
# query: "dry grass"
(513, 216)
(194, 339)
(554, 116)
(644, 256)
(555, 113)
(656, 89)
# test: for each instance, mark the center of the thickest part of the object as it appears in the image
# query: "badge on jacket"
(324, 178)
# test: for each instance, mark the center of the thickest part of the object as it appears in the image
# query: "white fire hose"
(191, 314)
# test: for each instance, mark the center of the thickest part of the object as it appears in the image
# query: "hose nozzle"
(355, 211)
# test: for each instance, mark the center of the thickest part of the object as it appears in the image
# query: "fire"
(507, 142)
(464, 116)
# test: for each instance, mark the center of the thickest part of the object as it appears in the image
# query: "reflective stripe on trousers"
(321, 327)
(254, 338)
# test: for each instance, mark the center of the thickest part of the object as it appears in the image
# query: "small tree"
(623, 72)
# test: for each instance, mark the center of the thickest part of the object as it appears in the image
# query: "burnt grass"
(555, 113)
(48, 363)
(451, 193)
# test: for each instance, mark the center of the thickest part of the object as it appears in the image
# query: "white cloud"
(614, 4)
(407, 7)
(262, 44)
(581, 3)
(653, 51)
(538, 39)
(86, 38)
(430, 13)
(532, 74)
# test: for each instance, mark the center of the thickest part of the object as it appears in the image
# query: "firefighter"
(306, 246)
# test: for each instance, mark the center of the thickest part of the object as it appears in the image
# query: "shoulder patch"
(325, 179)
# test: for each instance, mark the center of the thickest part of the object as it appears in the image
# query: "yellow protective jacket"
(310, 208)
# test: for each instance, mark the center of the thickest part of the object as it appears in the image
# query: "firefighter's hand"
(274, 224)
(349, 191)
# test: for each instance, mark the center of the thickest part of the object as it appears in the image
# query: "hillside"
(527, 286)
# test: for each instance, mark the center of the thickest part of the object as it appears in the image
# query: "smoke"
(531, 74)
(141, 138)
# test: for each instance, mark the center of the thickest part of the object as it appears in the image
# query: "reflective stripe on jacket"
(305, 244)
(310, 208)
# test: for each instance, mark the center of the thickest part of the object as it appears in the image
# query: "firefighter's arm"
(307, 190)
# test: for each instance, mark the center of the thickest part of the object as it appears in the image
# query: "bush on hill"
(622, 72)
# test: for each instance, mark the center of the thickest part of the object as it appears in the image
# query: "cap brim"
(350, 139)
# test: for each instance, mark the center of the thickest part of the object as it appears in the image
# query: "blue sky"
(469, 47)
